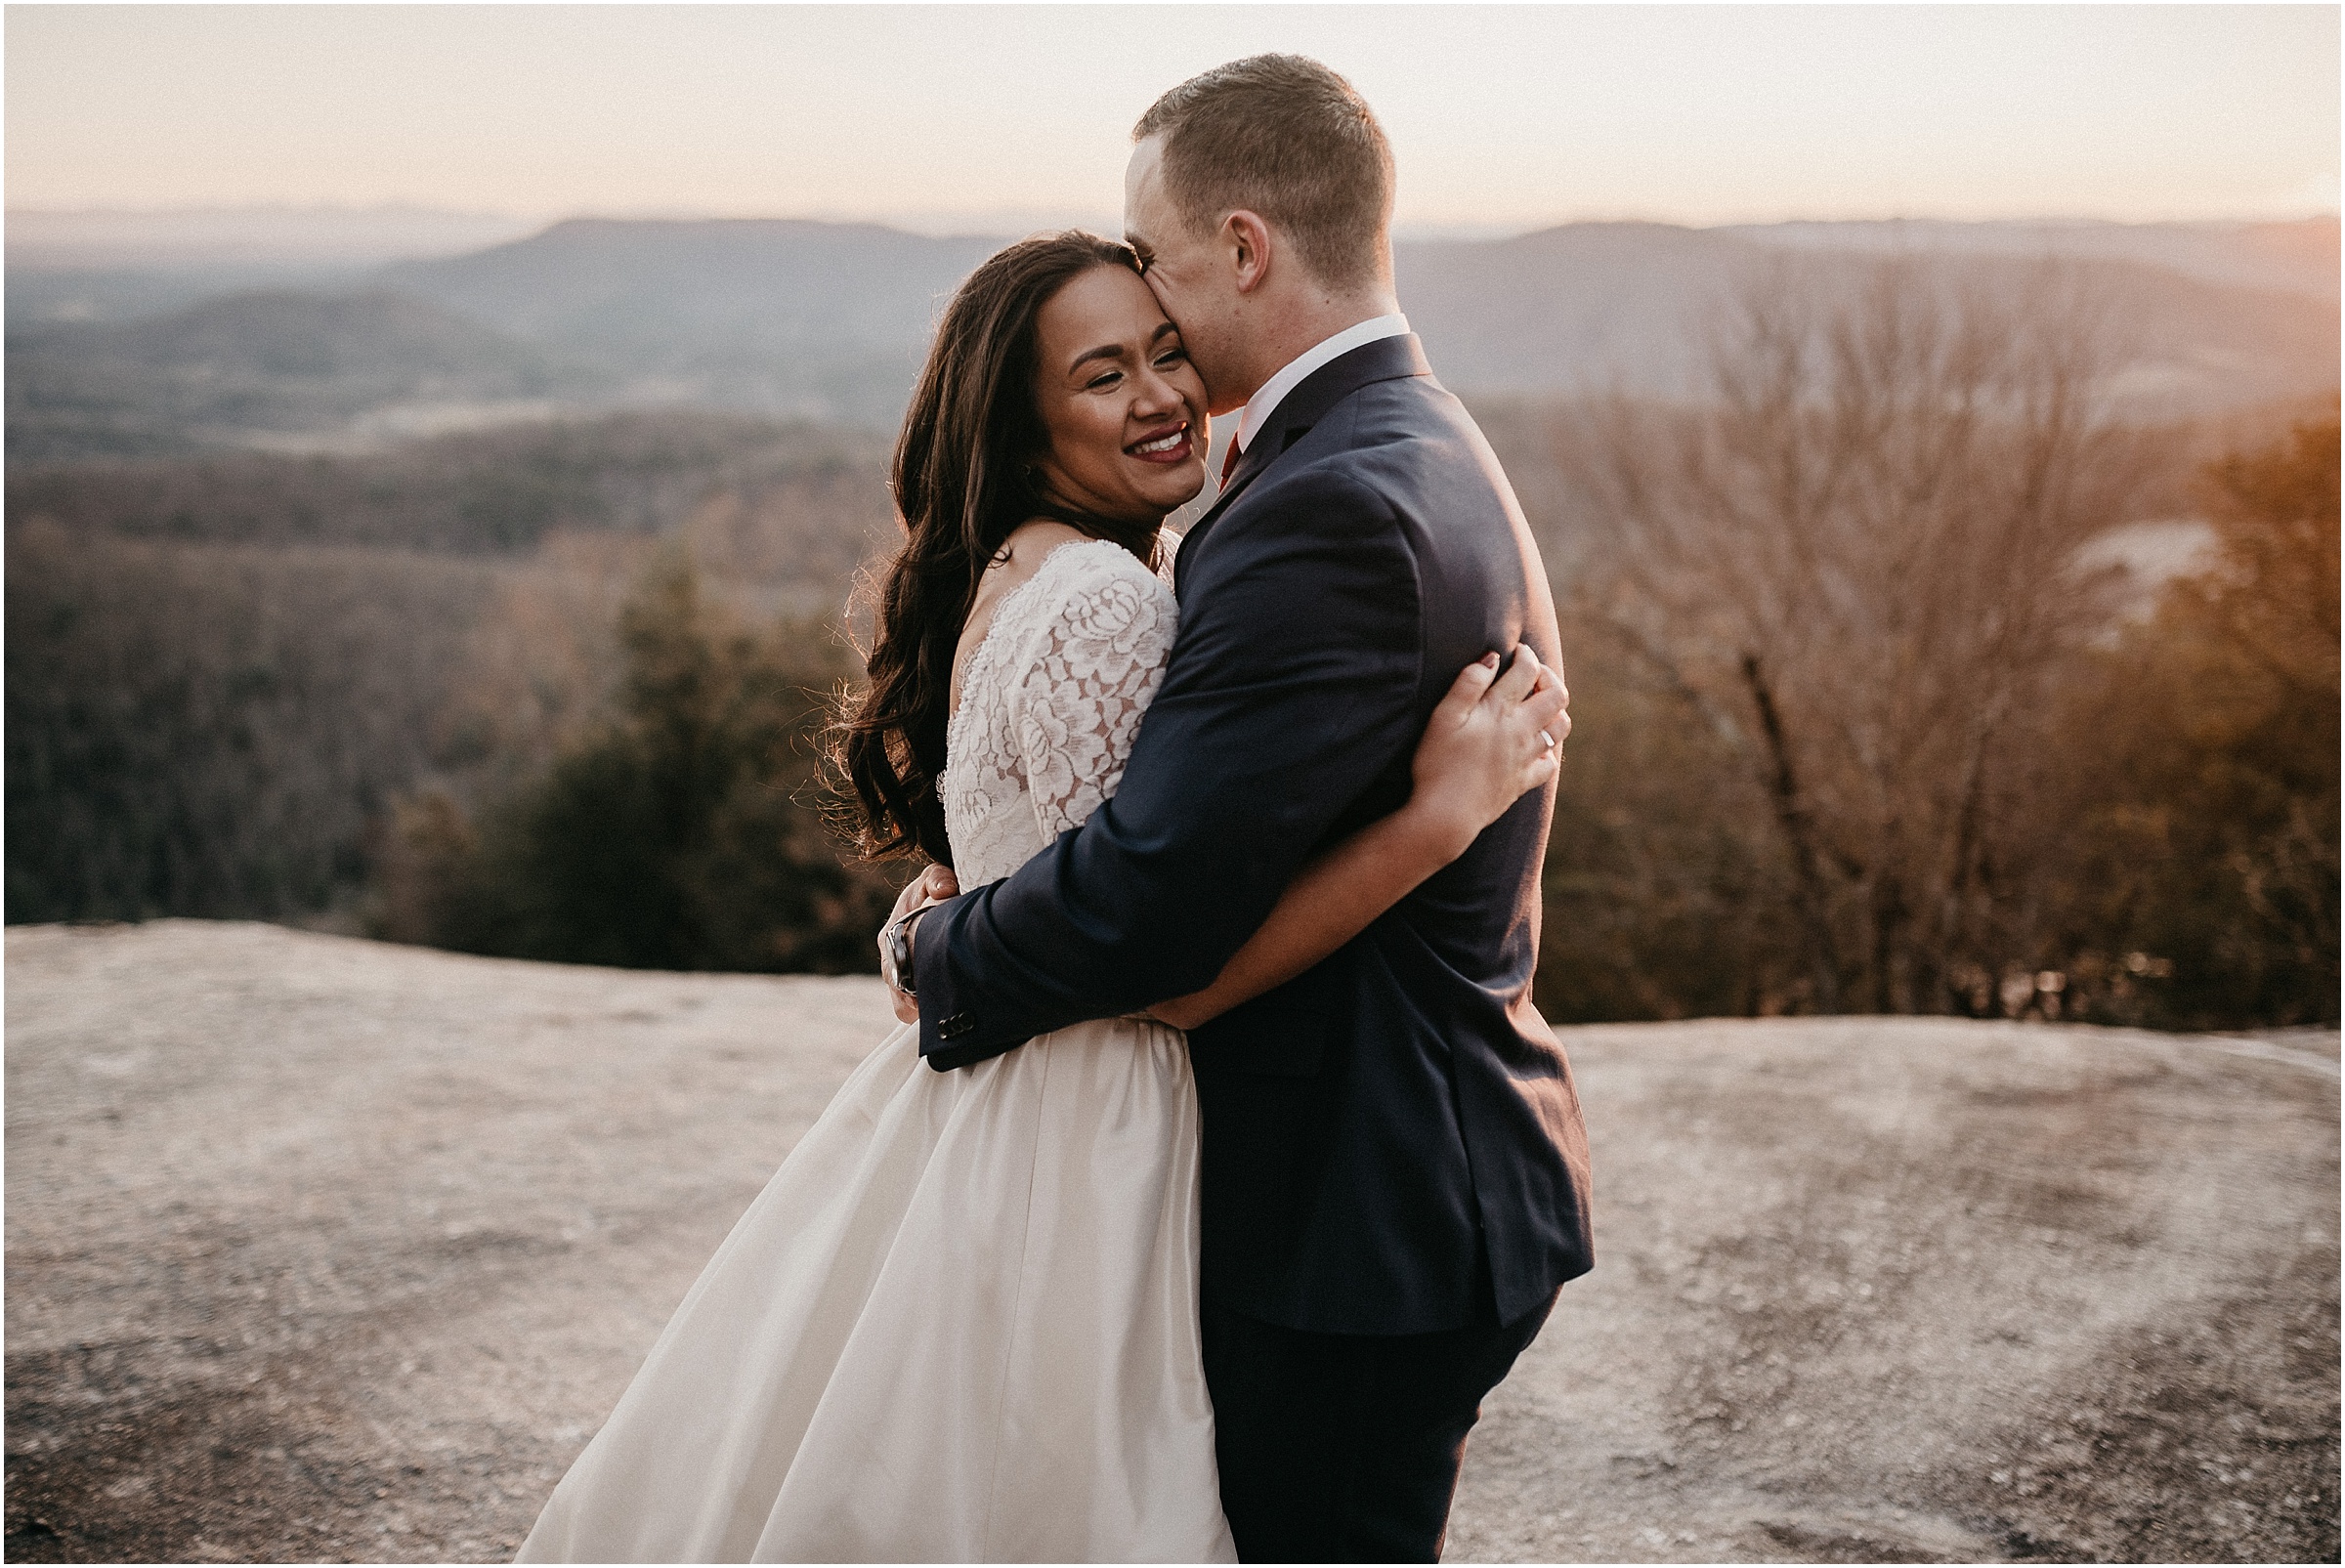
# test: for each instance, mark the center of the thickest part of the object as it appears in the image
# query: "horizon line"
(995, 223)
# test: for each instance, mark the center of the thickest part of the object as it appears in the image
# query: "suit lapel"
(1384, 359)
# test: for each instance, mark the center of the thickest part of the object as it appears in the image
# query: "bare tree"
(1860, 559)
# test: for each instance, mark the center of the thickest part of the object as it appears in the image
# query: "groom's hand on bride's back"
(934, 885)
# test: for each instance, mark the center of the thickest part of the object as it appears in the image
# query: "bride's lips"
(1167, 445)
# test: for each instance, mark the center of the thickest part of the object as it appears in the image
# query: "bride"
(961, 1322)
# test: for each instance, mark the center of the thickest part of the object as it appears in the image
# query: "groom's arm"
(1293, 685)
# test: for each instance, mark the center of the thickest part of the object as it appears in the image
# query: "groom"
(1395, 1173)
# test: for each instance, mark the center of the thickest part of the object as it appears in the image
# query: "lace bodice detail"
(1049, 703)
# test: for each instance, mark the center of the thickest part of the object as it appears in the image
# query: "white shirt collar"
(1264, 403)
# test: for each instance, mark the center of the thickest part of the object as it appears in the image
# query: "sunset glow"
(1503, 116)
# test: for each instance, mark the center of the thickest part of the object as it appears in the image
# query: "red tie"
(1229, 460)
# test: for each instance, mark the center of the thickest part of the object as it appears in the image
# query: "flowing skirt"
(959, 1324)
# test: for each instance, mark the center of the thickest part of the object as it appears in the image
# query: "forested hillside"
(245, 685)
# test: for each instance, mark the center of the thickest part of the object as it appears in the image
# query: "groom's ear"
(1248, 244)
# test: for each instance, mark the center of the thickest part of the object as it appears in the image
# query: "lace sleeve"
(1096, 660)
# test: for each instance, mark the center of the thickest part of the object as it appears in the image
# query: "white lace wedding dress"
(961, 1322)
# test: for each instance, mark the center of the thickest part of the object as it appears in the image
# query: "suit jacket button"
(954, 1027)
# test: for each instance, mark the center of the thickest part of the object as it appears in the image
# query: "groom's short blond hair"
(1283, 137)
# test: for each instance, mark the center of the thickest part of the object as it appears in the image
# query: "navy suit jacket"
(1391, 1141)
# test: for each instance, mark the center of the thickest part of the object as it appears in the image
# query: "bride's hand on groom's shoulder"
(933, 886)
(1494, 737)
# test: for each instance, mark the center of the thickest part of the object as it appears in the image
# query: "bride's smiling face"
(1123, 409)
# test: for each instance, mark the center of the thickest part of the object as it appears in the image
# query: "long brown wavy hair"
(963, 480)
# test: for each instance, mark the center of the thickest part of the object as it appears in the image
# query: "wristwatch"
(896, 941)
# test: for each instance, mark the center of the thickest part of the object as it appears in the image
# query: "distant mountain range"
(788, 317)
(2294, 258)
(50, 240)
(2209, 321)
(829, 320)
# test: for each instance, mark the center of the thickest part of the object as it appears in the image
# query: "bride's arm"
(1486, 743)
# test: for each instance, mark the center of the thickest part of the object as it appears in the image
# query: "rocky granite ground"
(321, 1248)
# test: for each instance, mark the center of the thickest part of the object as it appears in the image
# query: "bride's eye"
(1103, 382)
(1170, 357)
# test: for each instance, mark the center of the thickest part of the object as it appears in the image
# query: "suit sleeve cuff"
(944, 1023)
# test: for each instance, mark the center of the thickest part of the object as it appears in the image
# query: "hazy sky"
(1501, 115)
